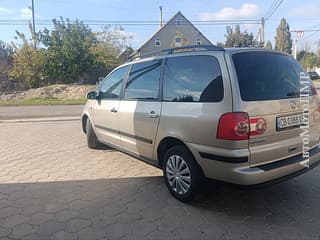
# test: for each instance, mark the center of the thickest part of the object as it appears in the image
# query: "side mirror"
(93, 95)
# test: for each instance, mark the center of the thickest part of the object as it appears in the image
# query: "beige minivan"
(244, 116)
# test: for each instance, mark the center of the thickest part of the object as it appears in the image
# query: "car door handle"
(153, 114)
(114, 110)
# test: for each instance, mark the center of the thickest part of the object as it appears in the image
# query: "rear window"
(267, 76)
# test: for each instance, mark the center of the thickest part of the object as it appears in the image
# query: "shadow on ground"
(142, 208)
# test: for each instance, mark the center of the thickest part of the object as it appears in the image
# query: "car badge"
(293, 104)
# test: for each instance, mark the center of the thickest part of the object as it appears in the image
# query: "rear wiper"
(293, 94)
(147, 98)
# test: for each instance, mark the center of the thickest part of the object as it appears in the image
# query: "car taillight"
(317, 112)
(238, 126)
(257, 126)
(313, 90)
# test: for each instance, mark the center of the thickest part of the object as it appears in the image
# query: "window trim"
(125, 81)
(159, 98)
(157, 40)
(198, 40)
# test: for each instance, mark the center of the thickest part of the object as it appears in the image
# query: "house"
(177, 32)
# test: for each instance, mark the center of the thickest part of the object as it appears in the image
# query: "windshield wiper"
(293, 94)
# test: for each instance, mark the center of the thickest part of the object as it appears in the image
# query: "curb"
(44, 119)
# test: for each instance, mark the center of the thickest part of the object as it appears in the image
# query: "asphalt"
(53, 187)
(35, 112)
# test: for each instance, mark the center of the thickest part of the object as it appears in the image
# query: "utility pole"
(33, 24)
(262, 41)
(295, 49)
(161, 20)
(300, 34)
(282, 42)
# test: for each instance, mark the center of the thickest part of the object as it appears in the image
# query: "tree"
(27, 63)
(125, 55)
(5, 50)
(220, 44)
(116, 37)
(67, 53)
(68, 50)
(307, 59)
(318, 53)
(107, 49)
(237, 39)
(283, 41)
(269, 45)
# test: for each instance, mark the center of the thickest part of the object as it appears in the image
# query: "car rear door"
(140, 108)
(275, 90)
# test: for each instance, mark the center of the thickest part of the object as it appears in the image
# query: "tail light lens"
(313, 90)
(257, 126)
(238, 126)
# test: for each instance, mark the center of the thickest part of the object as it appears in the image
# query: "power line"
(306, 30)
(131, 22)
(270, 8)
(274, 6)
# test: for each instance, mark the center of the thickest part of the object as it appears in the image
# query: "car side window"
(143, 81)
(112, 84)
(192, 79)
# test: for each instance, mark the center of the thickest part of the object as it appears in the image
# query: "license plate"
(289, 121)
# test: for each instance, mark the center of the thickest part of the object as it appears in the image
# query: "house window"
(198, 41)
(178, 22)
(157, 43)
(178, 42)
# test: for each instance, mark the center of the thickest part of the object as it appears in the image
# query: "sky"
(299, 14)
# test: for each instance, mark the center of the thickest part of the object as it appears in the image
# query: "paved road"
(16, 112)
(53, 187)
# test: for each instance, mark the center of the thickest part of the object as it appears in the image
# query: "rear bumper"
(242, 174)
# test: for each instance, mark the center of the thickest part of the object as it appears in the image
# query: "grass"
(42, 101)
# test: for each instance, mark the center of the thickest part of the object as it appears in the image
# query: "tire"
(92, 140)
(181, 173)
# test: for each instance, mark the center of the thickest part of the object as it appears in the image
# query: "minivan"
(245, 116)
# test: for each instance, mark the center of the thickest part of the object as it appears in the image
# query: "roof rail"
(200, 47)
(177, 49)
(136, 55)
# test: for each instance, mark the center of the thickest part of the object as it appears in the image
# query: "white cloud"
(308, 10)
(247, 10)
(4, 10)
(127, 34)
(25, 13)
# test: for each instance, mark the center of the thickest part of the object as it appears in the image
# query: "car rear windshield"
(267, 76)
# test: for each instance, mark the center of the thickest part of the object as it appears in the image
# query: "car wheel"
(92, 140)
(181, 173)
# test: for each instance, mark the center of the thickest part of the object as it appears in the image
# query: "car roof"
(199, 48)
(252, 49)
